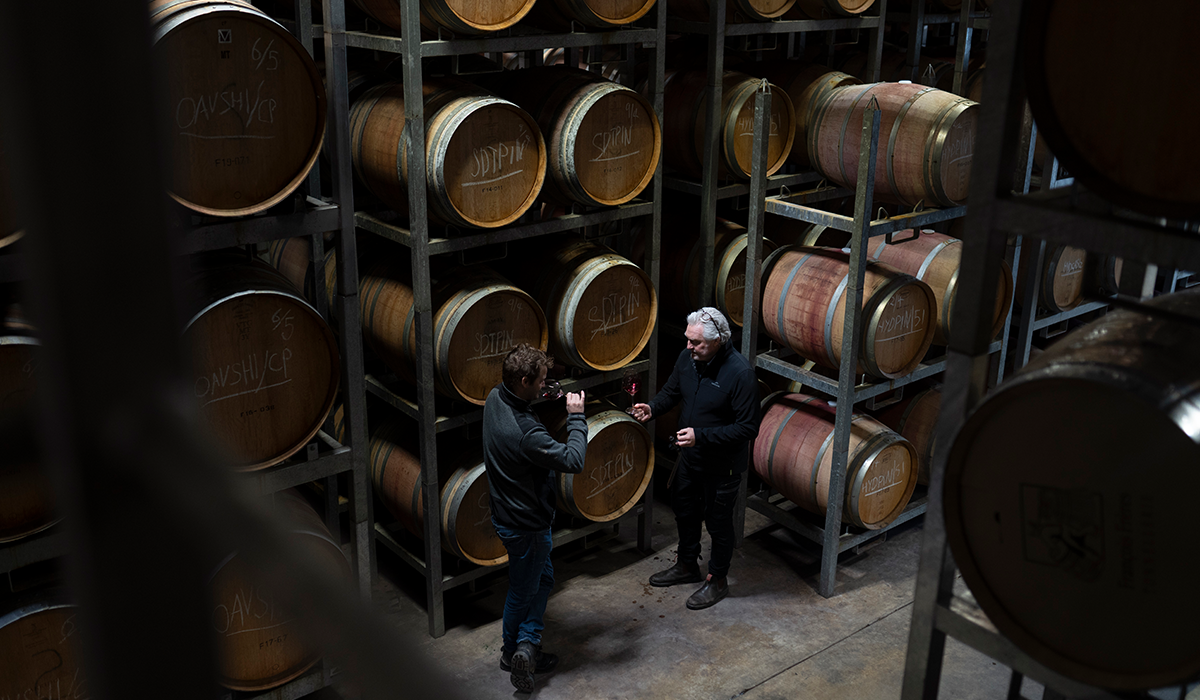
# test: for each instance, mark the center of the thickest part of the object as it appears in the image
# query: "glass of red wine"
(629, 384)
(552, 390)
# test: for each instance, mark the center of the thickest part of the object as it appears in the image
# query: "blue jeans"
(530, 578)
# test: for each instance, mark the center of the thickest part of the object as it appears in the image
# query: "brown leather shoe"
(711, 593)
(681, 572)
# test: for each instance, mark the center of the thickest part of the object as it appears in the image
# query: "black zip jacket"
(521, 458)
(720, 402)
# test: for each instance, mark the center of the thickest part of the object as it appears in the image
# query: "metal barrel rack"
(848, 390)
(1072, 216)
(425, 243)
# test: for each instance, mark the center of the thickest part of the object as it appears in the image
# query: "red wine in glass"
(630, 385)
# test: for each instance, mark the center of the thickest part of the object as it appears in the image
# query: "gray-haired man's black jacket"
(521, 458)
(720, 402)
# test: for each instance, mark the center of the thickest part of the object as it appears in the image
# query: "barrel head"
(781, 127)
(264, 375)
(245, 107)
(616, 148)
(615, 315)
(493, 165)
(1070, 511)
(881, 489)
(619, 463)
(40, 653)
(482, 334)
(468, 511)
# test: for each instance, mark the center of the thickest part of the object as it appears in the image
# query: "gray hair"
(713, 325)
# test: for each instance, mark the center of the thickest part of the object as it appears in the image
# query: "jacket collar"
(512, 399)
(715, 363)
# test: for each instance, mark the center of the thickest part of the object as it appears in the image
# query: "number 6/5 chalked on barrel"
(245, 106)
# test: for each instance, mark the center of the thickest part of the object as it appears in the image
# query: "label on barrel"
(903, 317)
(616, 309)
(38, 658)
(1064, 528)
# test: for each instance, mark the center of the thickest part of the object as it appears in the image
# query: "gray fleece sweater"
(521, 458)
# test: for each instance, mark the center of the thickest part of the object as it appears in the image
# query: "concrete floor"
(774, 637)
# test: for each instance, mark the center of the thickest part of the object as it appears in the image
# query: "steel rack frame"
(420, 240)
(846, 389)
(709, 189)
(1071, 216)
(918, 20)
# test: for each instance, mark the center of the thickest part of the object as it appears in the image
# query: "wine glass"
(552, 390)
(629, 384)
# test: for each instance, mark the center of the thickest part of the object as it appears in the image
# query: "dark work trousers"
(709, 498)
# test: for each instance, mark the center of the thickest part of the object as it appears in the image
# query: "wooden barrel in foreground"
(603, 139)
(804, 308)
(259, 645)
(1138, 151)
(484, 156)
(934, 258)
(41, 650)
(603, 14)
(737, 10)
(245, 104)
(926, 141)
(459, 16)
(684, 113)
(915, 419)
(265, 364)
(601, 308)
(478, 317)
(466, 505)
(26, 496)
(794, 454)
(1070, 500)
(806, 86)
(618, 466)
(1062, 272)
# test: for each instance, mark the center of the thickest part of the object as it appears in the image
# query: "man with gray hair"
(718, 419)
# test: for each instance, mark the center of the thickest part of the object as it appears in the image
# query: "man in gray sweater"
(521, 458)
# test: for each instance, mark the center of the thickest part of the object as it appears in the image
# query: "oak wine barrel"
(602, 14)
(806, 86)
(41, 650)
(934, 259)
(826, 9)
(484, 156)
(265, 364)
(1136, 151)
(926, 141)
(458, 16)
(1102, 273)
(26, 497)
(293, 257)
(466, 506)
(478, 317)
(246, 105)
(1063, 273)
(603, 139)
(1070, 499)
(794, 454)
(259, 645)
(684, 113)
(737, 10)
(915, 419)
(681, 260)
(601, 307)
(804, 308)
(618, 466)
